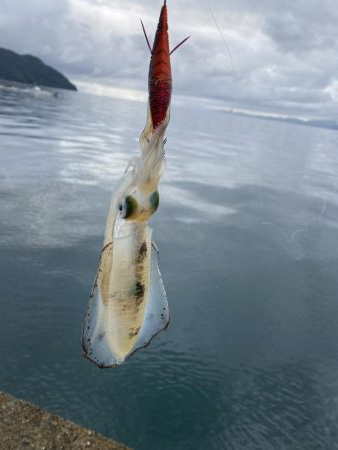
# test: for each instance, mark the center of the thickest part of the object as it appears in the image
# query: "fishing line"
(222, 36)
(234, 73)
(315, 218)
(239, 158)
(291, 238)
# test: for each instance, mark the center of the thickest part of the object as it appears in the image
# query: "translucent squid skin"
(128, 304)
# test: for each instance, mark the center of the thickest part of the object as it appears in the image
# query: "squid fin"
(94, 340)
(156, 317)
(95, 346)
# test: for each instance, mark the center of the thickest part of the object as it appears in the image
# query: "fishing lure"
(128, 304)
(159, 77)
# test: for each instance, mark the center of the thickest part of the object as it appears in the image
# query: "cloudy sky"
(284, 52)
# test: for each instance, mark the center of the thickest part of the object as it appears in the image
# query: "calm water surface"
(248, 235)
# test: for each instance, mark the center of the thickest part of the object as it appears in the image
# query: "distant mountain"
(31, 70)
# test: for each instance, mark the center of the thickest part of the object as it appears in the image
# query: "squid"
(128, 305)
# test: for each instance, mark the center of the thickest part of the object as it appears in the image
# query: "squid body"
(128, 304)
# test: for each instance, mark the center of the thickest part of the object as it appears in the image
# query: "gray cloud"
(284, 52)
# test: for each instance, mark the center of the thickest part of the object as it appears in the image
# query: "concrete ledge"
(25, 426)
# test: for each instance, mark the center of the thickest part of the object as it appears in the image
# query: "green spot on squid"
(154, 200)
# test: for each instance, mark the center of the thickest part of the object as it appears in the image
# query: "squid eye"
(154, 200)
(128, 207)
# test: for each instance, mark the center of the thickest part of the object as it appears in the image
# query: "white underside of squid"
(128, 304)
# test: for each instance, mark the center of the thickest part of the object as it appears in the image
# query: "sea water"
(248, 238)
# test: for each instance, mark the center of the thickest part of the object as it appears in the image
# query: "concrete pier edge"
(23, 425)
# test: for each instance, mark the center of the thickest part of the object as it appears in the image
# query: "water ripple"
(247, 228)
